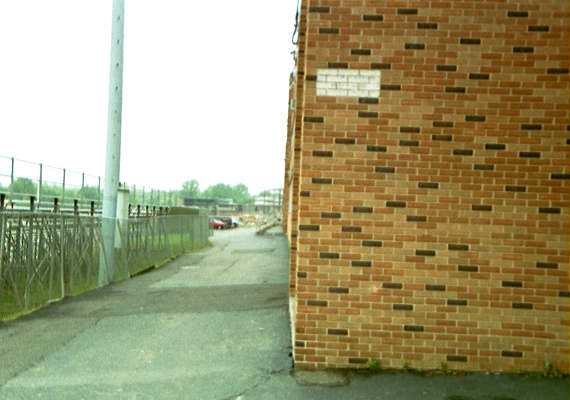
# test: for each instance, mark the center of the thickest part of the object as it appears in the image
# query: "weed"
(374, 366)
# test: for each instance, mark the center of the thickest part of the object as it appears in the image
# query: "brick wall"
(428, 199)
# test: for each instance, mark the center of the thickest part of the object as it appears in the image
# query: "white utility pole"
(113, 161)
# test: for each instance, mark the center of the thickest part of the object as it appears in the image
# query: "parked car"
(235, 222)
(227, 222)
(216, 224)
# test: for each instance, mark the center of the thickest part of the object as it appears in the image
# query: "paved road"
(210, 326)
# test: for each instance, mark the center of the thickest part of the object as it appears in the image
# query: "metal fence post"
(39, 194)
(63, 187)
(99, 189)
(12, 180)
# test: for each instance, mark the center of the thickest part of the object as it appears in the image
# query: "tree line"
(238, 193)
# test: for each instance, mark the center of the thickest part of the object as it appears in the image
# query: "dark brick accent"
(481, 207)
(439, 288)
(386, 170)
(330, 215)
(446, 68)
(317, 303)
(311, 78)
(372, 17)
(409, 143)
(427, 25)
(338, 65)
(517, 14)
(338, 332)
(538, 28)
(415, 46)
(523, 49)
(563, 294)
(453, 89)
(428, 185)
(531, 127)
(392, 285)
(345, 141)
(377, 149)
(546, 265)
(333, 31)
(529, 154)
(367, 114)
(356, 360)
(508, 353)
(523, 306)
(360, 52)
(322, 181)
(457, 247)
(319, 9)
(468, 268)
(475, 118)
(352, 229)
(560, 176)
(299, 343)
(454, 358)
(469, 41)
(368, 100)
(313, 228)
(484, 167)
(364, 210)
(413, 328)
(329, 256)
(443, 124)
(442, 138)
(479, 77)
(380, 66)
(555, 71)
(402, 307)
(390, 87)
(456, 302)
(314, 120)
(338, 290)
(362, 263)
(301, 274)
(425, 253)
(396, 204)
(410, 129)
(407, 11)
(495, 146)
(305, 193)
(550, 210)
(372, 243)
(322, 153)
(416, 218)
(462, 152)
(513, 284)
(515, 188)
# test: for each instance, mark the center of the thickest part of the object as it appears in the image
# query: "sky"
(205, 88)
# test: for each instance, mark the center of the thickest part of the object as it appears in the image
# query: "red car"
(216, 224)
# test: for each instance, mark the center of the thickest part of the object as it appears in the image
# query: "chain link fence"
(45, 257)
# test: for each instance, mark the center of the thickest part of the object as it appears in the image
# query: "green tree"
(88, 193)
(238, 193)
(23, 186)
(190, 189)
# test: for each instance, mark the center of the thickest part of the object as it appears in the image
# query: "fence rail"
(20, 180)
(45, 257)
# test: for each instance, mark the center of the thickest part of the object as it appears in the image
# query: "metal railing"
(20, 180)
(45, 257)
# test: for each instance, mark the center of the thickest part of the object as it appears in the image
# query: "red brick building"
(428, 184)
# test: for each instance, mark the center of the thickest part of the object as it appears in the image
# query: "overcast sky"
(205, 88)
